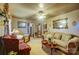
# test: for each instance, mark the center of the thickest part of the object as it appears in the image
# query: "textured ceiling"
(30, 10)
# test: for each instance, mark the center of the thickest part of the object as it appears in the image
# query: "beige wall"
(74, 15)
(1, 6)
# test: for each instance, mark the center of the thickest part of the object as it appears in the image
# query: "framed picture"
(60, 24)
(21, 24)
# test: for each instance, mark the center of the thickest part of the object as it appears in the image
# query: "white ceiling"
(30, 10)
(20, 11)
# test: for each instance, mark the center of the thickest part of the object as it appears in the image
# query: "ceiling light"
(41, 5)
(41, 17)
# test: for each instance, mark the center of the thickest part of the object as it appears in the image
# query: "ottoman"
(24, 49)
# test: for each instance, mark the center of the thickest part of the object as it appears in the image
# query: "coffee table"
(50, 48)
(53, 48)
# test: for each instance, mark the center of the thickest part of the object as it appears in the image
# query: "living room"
(39, 28)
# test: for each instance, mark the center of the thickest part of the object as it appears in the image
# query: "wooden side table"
(53, 47)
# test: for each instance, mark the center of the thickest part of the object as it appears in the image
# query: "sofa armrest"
(72, 48)
(73, 45)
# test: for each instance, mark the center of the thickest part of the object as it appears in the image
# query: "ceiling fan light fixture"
(41, 17)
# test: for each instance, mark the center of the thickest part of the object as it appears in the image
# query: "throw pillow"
(57, 36)
(66, 37)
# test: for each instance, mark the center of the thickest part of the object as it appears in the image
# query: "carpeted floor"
(35, 44)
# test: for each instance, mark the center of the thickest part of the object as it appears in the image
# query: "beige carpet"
(35, 44)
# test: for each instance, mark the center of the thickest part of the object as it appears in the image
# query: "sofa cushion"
(66, 37)
(52, 35)
(57, 35)
(60, 43)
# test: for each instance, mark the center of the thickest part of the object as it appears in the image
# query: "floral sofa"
(66, 42)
